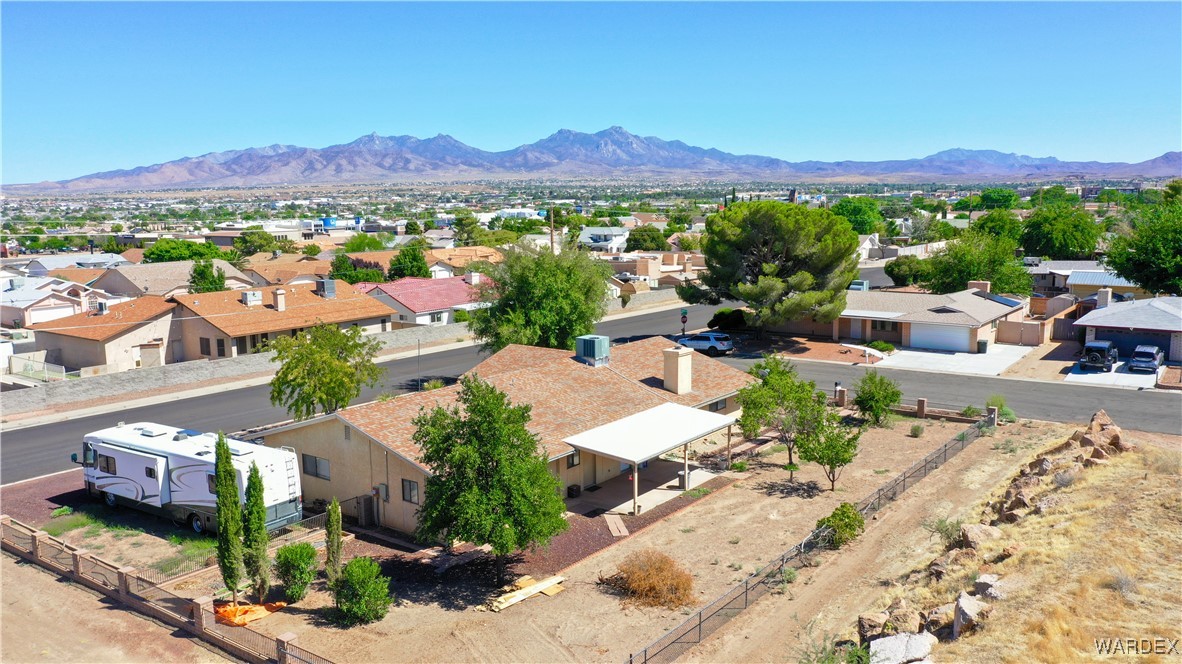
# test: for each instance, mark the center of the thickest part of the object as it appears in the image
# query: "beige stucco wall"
(117, 354)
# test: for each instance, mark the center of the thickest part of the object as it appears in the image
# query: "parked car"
(1146, 358)
(1100, 355)
(710, 343)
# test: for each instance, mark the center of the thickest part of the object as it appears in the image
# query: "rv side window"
(106, 464)
(150, 473)
(213, 487)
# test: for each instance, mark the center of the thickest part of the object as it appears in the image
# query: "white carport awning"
(651, 433)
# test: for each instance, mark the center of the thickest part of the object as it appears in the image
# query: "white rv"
(170, 472)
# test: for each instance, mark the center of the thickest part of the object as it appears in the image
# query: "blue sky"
(93, 86)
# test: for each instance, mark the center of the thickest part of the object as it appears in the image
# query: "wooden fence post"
(281, 643)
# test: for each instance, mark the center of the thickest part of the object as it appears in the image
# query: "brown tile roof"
(133, 255)
(461, 257)
(119, 319)
(303, 308)
(566, 397)
(78, 275)
(382, 258)
(267, 258)
(162, 278)
(282, 273)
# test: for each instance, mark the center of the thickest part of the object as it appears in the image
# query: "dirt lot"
(720, 539)
(798, 347)
(825, 601)
(1050, 361)
(48, 620)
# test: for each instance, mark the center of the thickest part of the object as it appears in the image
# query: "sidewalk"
(120, 402)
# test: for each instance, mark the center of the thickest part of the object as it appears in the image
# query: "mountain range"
(611, 153)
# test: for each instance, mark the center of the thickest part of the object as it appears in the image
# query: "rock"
(1009, 516)
(969, 612)
(1124, 446)
(1109, 436)
(1022, 484)
(1092, 463)
(1087, 441)
(973, 534)
(1100, 419)
(989, 586)
(954, 558)
(904, 621)
(901, 648)
(939, 618)
(1041, 466)
(870, 625)
(1075, 437)
(1099, 453)
(897, 605)
(1020, 501)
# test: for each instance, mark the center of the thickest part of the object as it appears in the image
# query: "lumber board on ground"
(509, 599)
(616, 525)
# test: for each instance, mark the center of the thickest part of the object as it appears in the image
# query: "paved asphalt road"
(39, 450)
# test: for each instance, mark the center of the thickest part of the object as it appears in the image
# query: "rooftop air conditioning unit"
(593, 349)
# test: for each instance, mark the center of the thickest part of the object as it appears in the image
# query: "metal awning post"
(635, 488)
(685, 463)
(728, 446)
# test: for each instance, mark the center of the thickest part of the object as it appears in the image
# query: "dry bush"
(651, 578)
(1162, 461)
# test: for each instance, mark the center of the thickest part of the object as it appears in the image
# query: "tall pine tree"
(254, 536)
(229, 517)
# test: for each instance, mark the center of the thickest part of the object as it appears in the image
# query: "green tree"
(228, 508)
(646, 238)
(205, 278)
(312, 250)
(168, 250)
(968, 203)
(467, 229)
(332, 542)
(978, 257)
(831, 445)
(846, 522)
(537, 298)
(1173, 192)
(782, 402)
(255, 241)
(1150, 255)
(362, 242)
(907, 270)
(410, 262)
(784, 261)
(355, 271)
(362, 594)
(295, 565)
(254, 536)
(687, 242)
(1000, 222)
(116, 228)
(1053, 196)
(413, 228)
(999, 199)
(489, 480)
(875, 395)
(862, 213)
(1061, 231)
(323, 368)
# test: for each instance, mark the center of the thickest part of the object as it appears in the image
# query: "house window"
(316, 467)
(437, 317)
(884, 325)
(240, 343)
(385, 322)
(204, 342)
(348, 433)
(718, 405)
(106, 464)
(573, 460)
(221, 347)
(410, 491)
(150, 473)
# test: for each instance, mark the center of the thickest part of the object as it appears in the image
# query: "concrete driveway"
(992, 363)
(1121, 377)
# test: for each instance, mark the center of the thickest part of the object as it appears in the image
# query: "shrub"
(362, 594)
(295, 565)
(881, 346)
(433, 384)
(876, 395)
(947, 529)
(727, 319)
(739, 466)
(461, 316)
(995, 401)
(1064, 479)
(651, 578)
(846, 522)
(1007, 415)
(792, 467)
(916, 430)
(970, 411)
(61, 511)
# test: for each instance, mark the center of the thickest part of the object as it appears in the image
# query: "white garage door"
(939, 337)
(42, 314)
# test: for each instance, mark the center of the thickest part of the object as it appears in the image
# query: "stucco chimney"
(1103, 297)
(679, 369)
(982, 286)
(474, 278)
(280, 299)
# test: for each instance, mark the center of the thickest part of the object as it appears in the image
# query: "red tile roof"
(422, 294)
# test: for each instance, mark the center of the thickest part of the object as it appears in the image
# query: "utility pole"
(550, 213)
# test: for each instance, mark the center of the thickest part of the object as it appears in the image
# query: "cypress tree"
(254, 536)
(229, 517)
(332, 542)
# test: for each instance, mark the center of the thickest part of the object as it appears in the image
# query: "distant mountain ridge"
(567, 154)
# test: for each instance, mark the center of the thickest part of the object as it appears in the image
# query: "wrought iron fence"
(771, 577)
(298, 654)
(294, 531)
(15, 535)
(100, 571)
(57, 553)
(245, 637)
(180, 564)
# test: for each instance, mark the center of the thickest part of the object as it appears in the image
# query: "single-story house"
(232, 323)
(163, 279)
(427, 301)
(43, 265)
(79, 275)
(1051, 276)
(868, 247)
(287, 273)
(1153, 321)
(1084, 283)
(927, 321)
(124, 336)
(134, 255)
(26, 301)
(369, 449)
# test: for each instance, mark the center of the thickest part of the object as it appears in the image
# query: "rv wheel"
(109, 498)
(196, 524)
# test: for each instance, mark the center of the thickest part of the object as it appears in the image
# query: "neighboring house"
(636, 269)
(613, 287)
(79, 275)
(1084, 283)
(427, 301)
(443, 263)
(924, 250)
(225, 239)
(43, 265)
(276, 258)
(651, 218)
(294, 272)
(1050, 277)
(868, 247)
(951, 322)
(369, 449)
(232, 323)
(26, 301)
(1153, 321)
(607, 239)
(164, 279)
(543, 242)
(128, 335)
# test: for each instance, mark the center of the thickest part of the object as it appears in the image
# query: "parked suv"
(1146, 358)
(710, 343)
(1100, 355)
